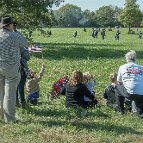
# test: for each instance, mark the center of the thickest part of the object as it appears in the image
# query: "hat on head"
(6, 20)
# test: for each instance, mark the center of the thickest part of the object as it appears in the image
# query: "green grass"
(50, 121)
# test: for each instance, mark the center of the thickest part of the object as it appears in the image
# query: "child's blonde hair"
(113, 77)
(87, 76)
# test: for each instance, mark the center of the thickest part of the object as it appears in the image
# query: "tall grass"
(50, 121)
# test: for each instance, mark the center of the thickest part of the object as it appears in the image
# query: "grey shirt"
(10, 44)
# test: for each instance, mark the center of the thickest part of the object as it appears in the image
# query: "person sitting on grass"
(90, 82)
(32, 86)
(109, 93)
(75, 91)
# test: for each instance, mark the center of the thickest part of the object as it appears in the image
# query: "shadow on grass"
(66, 112)
(66, 118)
(58, 51)
(108, 127)
(52, 112)
(89, 126)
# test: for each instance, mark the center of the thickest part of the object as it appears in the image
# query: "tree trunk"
(129, 27)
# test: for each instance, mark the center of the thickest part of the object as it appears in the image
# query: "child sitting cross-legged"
(32, 86)
(90, 82)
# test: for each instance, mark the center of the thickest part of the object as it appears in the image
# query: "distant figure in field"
(49, 33)
(103, 34)
(84, 29)
(92, 34)
(109, 28)
(140, 35)
(30, 33)
(117, 35)
(96, 33)
(75, 34)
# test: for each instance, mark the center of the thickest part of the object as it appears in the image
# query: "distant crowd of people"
(126, 86)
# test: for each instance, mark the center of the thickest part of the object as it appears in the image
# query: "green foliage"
(105, 16)
(131, 14)
(70, 15)
(50, 121)
(30, 14)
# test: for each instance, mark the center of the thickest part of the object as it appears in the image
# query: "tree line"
(72, 16)
(36, 14)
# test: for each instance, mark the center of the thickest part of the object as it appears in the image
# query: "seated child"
(90, 82)
(58, 86)
(32, 86)
(109, 93)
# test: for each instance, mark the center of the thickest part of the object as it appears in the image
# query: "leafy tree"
(117, 12)
(131, 14)
(70, 15)
(90, 19)
(105, 16)
(29, 14)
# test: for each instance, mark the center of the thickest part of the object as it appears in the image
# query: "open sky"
(93, 5)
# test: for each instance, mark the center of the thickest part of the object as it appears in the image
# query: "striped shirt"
(10, 44)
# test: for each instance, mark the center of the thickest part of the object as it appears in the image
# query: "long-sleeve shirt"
(32, 85)
(10, 44)
(75, 95)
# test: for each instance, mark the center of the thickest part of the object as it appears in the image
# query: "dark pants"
(121, 94)
(20, 89)
(90, 104)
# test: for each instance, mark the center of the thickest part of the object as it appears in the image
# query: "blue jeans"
(20, 88)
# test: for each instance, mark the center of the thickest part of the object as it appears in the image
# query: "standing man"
(25, 56)
(10, 44)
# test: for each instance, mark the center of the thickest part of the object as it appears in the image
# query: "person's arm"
(87, 93)
(94, 82)
(41, 73)
(119, 76)
(25, 54)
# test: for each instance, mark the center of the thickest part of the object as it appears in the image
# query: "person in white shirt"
(130, 83)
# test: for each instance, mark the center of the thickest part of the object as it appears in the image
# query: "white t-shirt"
(131, 74)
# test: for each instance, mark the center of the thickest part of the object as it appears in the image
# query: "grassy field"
(50, 121)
